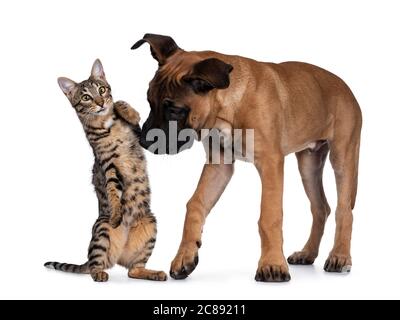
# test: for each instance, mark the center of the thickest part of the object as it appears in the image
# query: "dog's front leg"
(213, 181)
(272, 266)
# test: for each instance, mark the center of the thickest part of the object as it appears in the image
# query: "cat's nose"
(99, 101)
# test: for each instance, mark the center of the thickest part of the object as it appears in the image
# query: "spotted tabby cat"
(125, 232)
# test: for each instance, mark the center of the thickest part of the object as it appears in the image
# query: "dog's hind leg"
(344, 158)
(311, 166)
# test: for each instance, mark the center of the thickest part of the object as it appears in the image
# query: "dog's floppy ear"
(161, 47)
(209, 74)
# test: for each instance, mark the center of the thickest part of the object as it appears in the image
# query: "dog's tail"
(67, 267)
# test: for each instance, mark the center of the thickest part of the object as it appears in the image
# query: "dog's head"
(181, 94)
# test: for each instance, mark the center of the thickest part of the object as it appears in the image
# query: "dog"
(292, 107)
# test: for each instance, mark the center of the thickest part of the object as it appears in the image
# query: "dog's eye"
(168, 104)
(175, 110)
(172, 112)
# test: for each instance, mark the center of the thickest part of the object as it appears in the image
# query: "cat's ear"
(67, 86)
(98, 71)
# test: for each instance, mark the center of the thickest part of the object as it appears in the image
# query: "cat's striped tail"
(67, 267)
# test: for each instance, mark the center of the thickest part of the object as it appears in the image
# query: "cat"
(125, 232)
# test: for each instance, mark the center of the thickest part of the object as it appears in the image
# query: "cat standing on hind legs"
(125, 232)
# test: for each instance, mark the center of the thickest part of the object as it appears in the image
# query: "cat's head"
(91, 98)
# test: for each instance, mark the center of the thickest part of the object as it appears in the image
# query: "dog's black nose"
(147, 144)
(137, 130)
(144, 143)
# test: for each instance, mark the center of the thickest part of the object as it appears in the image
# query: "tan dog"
(293, 107)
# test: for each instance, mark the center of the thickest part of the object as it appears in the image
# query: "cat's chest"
(118, 130)
(109, 123)
(118, 137)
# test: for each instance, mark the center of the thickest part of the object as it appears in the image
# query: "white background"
(47, 204)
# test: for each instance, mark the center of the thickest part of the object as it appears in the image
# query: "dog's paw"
(338, 263)
(301, 258)
(272, 273)
(184, 263)
(99, 276)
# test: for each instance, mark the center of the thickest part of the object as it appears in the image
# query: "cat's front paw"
(115, 221)
(124, 110)
(116, 218)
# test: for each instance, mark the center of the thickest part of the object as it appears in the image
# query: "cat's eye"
(102, 90)
(86, 97)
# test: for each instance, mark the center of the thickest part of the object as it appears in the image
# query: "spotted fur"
(125, 232)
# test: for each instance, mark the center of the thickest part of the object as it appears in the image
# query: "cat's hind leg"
(146, 274)
(99, 248)
(138, 249)
(105, 248)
